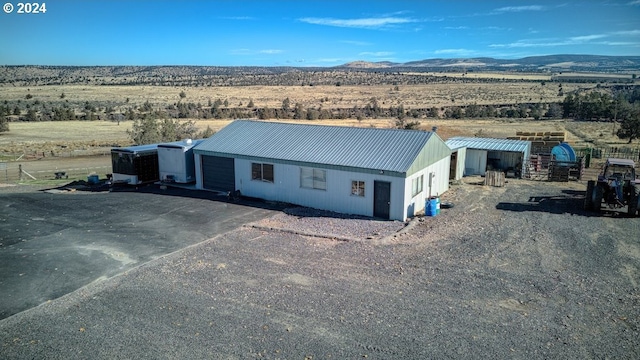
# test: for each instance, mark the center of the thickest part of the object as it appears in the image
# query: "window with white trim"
(357, 188)
(262, 172)
(313, 178)
(416, 185)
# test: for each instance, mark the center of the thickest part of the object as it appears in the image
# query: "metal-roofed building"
(484, 154)
(175, 161)
(386, 173)
(135, 165)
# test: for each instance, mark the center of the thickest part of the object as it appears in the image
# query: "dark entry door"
(452, 165)
(218, 173)
(381, 199)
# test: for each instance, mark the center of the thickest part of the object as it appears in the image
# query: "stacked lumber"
(494, 178)
(540, 136)
(541, 141)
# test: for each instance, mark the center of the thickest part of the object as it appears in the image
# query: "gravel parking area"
(515, 272)
(330, 225)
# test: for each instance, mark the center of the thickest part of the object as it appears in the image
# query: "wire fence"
(38, 155)
(622, 152)
(13, 172)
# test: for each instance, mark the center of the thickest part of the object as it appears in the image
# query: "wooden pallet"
(494, 178)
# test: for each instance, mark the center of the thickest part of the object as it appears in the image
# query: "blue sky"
(312, 33)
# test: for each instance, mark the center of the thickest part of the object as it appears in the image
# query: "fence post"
(19, 172)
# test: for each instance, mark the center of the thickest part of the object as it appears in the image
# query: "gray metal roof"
(154, 147)
(489, 144)
(136, 148)
(366, 148)
(184, 144)
(623, 162)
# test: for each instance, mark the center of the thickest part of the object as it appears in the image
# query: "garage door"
(218, 173)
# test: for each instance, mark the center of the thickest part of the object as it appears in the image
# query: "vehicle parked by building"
(617, 187)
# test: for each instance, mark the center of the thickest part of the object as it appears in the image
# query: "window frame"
(261, 172)
(317, 178)
(358, 188)
(417, 185)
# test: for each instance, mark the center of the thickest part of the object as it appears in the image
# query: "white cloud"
(587, 38)
(519, 8)
(636, 2)
(376, 54)
(244, 51)
(366, 23)
(331, 60)
(356, 43)
(458, 52)
(270, 51)
(627, 32)
(496, 28)
(619, 43)
(575, 40)
(456, 27)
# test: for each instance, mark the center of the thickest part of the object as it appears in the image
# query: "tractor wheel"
(588, 196)
(632, 207)
(596, 199)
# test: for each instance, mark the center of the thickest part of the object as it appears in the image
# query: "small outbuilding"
(175, 161)
(385, 173)
(484, 154)
(135, 165)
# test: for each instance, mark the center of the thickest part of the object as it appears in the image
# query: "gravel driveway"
(514, 272)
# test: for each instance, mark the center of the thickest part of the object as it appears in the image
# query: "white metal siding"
(172, 163)
(476, 162)
(460, 163)
(439, 184)
(337, 197)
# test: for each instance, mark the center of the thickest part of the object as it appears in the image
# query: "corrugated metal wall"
(476, 162)
(460, 163)
(433, 151)
(337, 196)
(439, 173)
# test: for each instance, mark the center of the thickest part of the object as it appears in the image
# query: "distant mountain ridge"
(626, 68)
(562, 62)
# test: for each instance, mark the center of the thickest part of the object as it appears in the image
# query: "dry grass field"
(76, 138)
(72, 138)
(410, 96)
(489, 75)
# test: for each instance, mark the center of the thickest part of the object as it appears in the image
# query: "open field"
(68, 139)
(82, 147)
(488, 75)
(410, 96)
(81, 137)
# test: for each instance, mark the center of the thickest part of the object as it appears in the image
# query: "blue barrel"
(432, 206)
(93, 179)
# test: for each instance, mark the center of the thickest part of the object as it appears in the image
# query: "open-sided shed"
(387, 173)
(484, 154)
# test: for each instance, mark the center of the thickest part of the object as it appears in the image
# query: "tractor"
(617, 187)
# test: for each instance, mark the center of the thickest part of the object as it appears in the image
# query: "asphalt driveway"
(52, 243)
